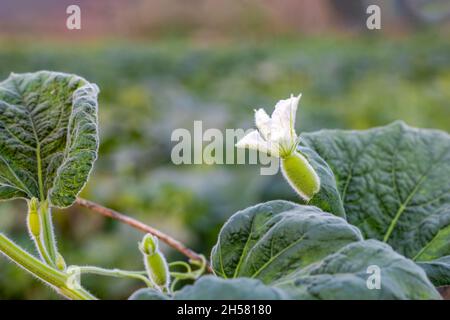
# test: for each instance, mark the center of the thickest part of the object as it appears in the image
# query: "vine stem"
(55, 278)
(48, 236)
(115, 273)
(110, 213)
(42, 251)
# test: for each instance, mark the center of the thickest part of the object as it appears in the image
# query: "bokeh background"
(162, 64)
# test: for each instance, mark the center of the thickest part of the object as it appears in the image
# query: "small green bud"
(149, 244)
(34, 223)
(155, 262)
(60, 262)
(157, 269)
(300, 175)
(33, 204)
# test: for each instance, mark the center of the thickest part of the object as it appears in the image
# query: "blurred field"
(149, 89)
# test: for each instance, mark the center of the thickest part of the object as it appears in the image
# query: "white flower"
(276, 134)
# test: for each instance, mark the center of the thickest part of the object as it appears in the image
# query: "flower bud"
(34, 223)
(155, 263)
(60, 262)
(300, 175)
(149, 244)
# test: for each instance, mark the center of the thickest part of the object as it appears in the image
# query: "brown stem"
(177, 245)
(445, 292)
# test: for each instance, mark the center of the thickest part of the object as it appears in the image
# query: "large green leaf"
(272, 239)
(344, 275)
(48, 136)
(214, 288)
(328, 198)
(395, 185)
(148, 294)
(311, 254)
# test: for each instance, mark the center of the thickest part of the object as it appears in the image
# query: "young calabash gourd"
(155, 262)
(35, 229)
(33, 220)
(300, 175)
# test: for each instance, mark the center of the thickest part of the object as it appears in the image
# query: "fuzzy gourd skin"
(300, 175)
(157, 269)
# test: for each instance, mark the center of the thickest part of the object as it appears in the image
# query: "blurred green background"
(156, 78)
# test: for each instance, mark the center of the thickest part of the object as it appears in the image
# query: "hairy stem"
(42, 251)
(177, 245)
(116, 273)
(47, 235)
(55, 278)
(34, 225)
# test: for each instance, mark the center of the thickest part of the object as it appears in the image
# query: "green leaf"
(148, 294)
(438, 270)
(214, 288)
(395, 184)
(328, 198)
(311, 254)
(272, 239)
(344, 275)
(48, 136)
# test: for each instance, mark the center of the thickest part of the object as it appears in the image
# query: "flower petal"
(283, 123)
(263, 123)
(285, 112)
(255, 141)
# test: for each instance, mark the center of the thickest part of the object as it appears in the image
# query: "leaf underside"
(48, 136)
